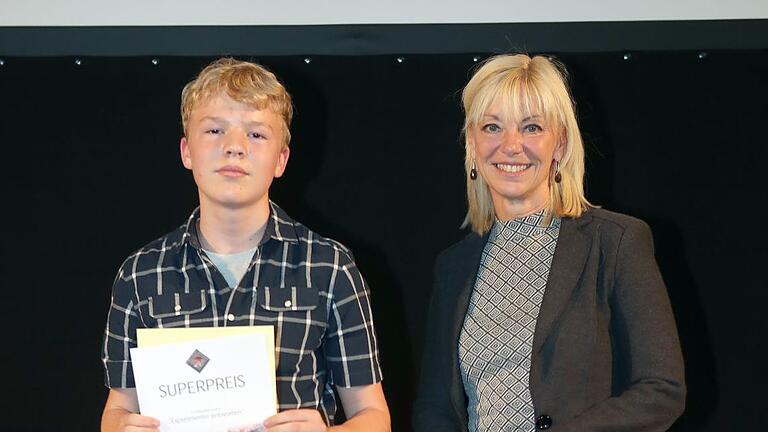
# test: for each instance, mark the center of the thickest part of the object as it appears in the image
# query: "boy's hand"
(132, 422)
(298, 420)
(120, 413)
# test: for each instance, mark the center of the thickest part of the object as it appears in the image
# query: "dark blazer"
(606, 355)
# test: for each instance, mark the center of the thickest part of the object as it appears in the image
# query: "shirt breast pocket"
(288, 299)
(176, 308)
(297, 313)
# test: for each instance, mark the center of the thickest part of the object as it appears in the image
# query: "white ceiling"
(309, 12)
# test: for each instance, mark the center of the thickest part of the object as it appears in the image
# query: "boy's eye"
(214, 131)
(491, 128)
(256, 135)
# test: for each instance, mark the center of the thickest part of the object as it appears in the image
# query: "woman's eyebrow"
(492, 116)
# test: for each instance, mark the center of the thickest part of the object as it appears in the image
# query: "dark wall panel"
(91, 172)
(374, 39)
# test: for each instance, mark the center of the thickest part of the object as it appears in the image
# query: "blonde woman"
(551, 313)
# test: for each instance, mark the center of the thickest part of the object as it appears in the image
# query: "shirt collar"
(280, 227)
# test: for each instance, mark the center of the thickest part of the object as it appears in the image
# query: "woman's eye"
(492, 128)
(532, 128)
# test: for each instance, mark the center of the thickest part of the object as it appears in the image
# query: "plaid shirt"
(306, 286)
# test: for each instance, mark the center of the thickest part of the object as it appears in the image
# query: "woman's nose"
(512, 142)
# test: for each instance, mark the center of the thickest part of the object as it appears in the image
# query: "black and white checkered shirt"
(307, 286)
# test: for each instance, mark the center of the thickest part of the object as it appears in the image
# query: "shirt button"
(177, 308)
(543, 422)
(287, 303)
(231, 317)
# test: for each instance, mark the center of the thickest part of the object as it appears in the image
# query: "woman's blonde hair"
(526, 87)
(242, 81)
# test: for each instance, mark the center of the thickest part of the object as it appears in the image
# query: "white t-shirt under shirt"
(232, 266)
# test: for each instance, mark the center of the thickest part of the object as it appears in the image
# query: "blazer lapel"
(571, 253)
(464, 281)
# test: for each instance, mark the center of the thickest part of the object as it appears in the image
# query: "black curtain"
(91, 172)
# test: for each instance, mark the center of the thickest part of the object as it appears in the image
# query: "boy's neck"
(228, 231)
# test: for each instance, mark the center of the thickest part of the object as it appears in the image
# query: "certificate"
(206, 379)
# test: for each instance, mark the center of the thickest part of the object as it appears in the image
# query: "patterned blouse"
(497, 336)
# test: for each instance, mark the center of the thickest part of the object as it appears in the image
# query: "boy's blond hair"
(242, 81)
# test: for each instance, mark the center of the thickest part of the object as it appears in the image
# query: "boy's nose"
(235, 147)
(235, 152)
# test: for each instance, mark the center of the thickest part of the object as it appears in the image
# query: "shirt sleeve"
(351, 348)
(120, 333)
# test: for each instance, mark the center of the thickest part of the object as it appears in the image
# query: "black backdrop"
(91, 172)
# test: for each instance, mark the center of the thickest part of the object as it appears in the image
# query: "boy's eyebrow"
(214, 118)
(257, 123)
(223, 120)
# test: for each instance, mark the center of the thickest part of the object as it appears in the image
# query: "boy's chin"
(238, 203)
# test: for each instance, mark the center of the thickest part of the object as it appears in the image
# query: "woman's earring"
(558, 176)
(473, 170)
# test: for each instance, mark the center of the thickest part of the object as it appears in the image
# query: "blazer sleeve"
(433, 410)
(644, 328)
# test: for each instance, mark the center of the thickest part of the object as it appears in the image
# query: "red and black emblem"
(197, 361)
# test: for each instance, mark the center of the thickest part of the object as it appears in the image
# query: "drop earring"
(473, 170)
(558, 176)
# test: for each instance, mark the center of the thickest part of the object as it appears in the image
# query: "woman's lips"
(514, 169)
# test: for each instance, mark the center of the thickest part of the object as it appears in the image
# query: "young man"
(240, 260)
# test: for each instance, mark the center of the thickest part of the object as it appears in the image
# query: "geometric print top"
(497, 336)
(305, 286)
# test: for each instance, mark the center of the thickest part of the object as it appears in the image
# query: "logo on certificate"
(197, 361)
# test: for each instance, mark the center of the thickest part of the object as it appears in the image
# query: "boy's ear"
(282, 161)
(186, 157)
